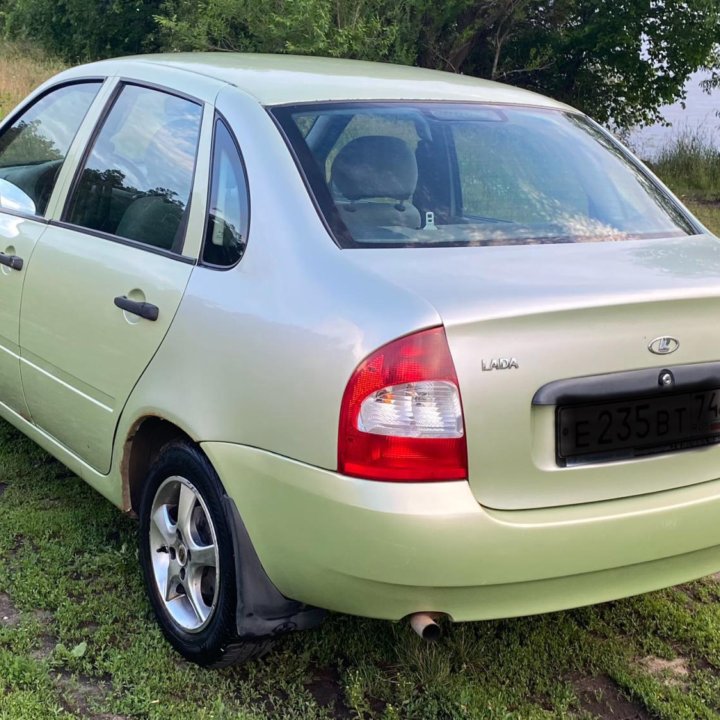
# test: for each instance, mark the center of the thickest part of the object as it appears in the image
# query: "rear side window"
(137, 178)
(228, 213)
(34, 147)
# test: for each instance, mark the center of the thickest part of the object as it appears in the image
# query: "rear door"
(107, 279)
(33, 147)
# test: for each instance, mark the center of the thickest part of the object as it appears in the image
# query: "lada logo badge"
(664, 345)
(500, 364)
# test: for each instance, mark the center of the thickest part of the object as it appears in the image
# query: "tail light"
(401, 416)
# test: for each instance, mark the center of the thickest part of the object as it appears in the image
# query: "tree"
(712, 82)
(619, 60)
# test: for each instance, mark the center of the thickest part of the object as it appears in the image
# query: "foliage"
(362, 29)
(619, 60)
(712, 82)
(79, 30)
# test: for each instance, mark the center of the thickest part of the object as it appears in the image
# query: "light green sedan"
(358, 337)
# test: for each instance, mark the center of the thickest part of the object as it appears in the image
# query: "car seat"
(376, 176)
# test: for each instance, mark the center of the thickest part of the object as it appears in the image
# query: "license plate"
(632, 428)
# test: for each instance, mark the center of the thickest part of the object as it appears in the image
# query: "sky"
(700, 113)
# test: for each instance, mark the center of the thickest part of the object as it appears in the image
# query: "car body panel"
(82, 355)
(280, 79)
(18, 236)
(109, 486)
(562, 311)
(387, 549)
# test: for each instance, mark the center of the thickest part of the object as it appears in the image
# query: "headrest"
(375, 166)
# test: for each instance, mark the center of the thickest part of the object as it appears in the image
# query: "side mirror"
(13, 198)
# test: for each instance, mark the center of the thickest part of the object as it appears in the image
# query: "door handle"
(143, 309)
(12, 261)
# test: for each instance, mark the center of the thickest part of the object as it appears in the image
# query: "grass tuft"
(690, 165)
(22, 69)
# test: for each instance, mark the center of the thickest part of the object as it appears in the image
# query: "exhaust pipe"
(424, 625)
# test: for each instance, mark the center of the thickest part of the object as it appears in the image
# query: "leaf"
(79, 650)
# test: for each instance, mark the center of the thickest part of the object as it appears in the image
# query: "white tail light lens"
(429, 409)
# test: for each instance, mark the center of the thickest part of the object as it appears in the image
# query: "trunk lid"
(561, 312)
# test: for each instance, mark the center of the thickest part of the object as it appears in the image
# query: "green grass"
(690, 165)
(77, 639)
(22, 68)
(707, 213)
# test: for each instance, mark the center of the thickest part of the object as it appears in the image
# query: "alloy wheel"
(184, 551)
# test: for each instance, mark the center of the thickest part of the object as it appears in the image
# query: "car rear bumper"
(386, 550)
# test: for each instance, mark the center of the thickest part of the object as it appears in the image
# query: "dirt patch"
(601, 697)
(9, 615)
(44, 647)
(327, 690)
(674, 673)
(45, 643)
(81, 694)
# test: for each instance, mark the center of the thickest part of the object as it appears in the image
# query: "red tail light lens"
(401, 416)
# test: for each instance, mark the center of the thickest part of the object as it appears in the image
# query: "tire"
(186, 553)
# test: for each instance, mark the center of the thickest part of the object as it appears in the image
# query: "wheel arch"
(143, 443)
(261, 611)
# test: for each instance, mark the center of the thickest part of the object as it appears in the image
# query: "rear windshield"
(418, 174)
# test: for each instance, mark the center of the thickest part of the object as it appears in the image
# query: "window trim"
(9, 121)
(122, 83)
(122, 241)
(220, 118)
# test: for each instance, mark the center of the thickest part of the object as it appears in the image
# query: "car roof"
(289, 79)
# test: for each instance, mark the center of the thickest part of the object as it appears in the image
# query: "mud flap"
(262, 610)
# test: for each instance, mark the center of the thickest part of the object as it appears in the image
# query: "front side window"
(33, 148)
(137, 178)
(228, 213)
(420, 174)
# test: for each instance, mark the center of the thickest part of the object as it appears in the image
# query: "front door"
(106, 281)
(33, 146)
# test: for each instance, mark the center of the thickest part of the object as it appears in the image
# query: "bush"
(80, 30)
(360, 29)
